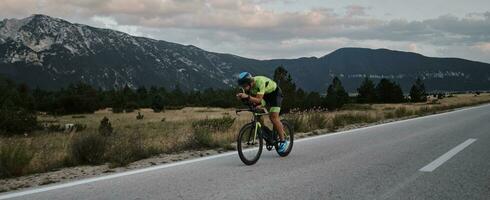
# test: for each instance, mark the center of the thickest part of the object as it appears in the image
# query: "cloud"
(248, 28)
(225, 14)
(355, 10)
(413, 47)
(14, 8)
(110, 23)
(483, 47)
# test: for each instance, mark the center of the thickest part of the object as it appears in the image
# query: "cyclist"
(263, 89)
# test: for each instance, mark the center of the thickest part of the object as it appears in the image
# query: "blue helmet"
(244, 78)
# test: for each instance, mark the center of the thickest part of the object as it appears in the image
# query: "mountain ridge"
(52, 53)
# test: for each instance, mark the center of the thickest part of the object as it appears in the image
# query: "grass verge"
(124, 139)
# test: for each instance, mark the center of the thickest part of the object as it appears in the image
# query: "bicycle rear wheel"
(289, 136)
(249, 145)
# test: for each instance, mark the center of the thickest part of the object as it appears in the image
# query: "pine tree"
(26, 100)
(117, 101)
(130, 99)
(16, 113)
(288, 87)
(417, 92)
(336, 95)
(143, 99)
(398, 96)
(157, 103)
(389, 92)
(177, 97)
(313, 99)
(44, 100)
(300, 99)
(77, 98)
(366, 92)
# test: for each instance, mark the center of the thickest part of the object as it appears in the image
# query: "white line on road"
(445, 157)
(100, 178)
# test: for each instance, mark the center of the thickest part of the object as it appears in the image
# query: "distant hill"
(51, 53)
(353, 64)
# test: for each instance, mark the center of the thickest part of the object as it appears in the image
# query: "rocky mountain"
(52, 53)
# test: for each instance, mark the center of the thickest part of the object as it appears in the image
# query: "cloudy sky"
(267, 29)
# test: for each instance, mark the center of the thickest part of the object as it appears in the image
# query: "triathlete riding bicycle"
(260, 90)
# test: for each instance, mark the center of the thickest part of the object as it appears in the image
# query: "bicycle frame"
(245, 138)
(258, 125)
(255, 119)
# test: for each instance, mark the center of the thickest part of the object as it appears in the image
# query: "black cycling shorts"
(274, 99)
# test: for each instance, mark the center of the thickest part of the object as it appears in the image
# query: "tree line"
(82, 98)
(385, 91)
(19, 104)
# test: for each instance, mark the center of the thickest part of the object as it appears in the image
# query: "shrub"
(340, 120)
(126, 149)
(157, 104)
(402, 112)
(17, 121)
(105, 127)
(129, 110)
(54, 127)
(79, 127)
(204, 129)
(389, 115)
(317, 121)
(203, 138)
(424, 110)
(14, 158)
(139, 116)
(389, 108)
(297, 121)
(434, 101)
(357, 107)
(346, 119)
(88, 148)
(214, 125)
(117, 109)
(130, 107)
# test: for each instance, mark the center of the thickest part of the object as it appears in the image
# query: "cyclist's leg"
(276, 121)
(261, 119)
(275, 101)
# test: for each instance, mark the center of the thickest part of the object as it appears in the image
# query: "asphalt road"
(380, 162)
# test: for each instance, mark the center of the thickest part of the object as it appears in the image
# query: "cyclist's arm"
(257, 99)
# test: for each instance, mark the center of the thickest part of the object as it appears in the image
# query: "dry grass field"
(177, 130)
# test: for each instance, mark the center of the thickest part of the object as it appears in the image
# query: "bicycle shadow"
(267, 157)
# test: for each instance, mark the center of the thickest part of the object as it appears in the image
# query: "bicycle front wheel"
(249, 144)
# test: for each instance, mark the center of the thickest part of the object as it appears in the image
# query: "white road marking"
(90, 180)
(95, 179)
(445, 157)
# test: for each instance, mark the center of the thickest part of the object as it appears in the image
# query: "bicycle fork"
(257, 128)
